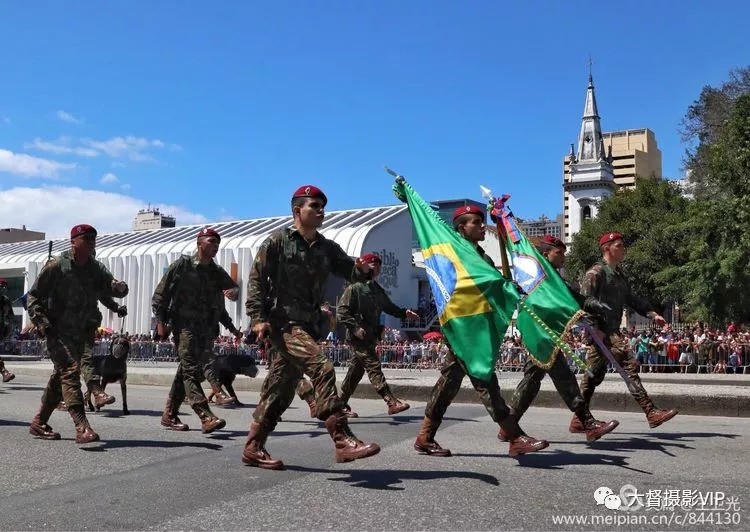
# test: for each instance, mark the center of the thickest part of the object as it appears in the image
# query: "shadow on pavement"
(119, 444)
(11, 423)
(115, 412)
(385, 479)
(558, 459)
(25, 388)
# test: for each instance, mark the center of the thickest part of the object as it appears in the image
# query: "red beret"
(554, 241)
(3, 282)
(82, 229)
(371, 257)
(606, 238)
(468, 209)
(208, 231)
(310, 191)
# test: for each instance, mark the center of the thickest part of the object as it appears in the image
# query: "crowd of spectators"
(673, 349)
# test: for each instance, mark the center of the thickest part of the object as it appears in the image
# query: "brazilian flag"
(475, 302)
(548, 310)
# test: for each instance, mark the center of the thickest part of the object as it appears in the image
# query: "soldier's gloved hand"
(122, 311)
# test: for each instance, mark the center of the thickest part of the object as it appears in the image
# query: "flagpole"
(607, 353)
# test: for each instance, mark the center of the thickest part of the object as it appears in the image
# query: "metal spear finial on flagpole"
(399, 178)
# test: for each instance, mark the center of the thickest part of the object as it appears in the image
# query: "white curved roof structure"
(140, 258)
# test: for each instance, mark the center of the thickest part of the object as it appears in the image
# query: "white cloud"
(61, 145)
(130, 147)
(109, 178)
(67, 117)
(28, 166)
(56, 209)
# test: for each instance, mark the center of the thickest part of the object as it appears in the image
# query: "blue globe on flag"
(442, 275)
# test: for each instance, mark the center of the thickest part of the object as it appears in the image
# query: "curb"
(689, 404)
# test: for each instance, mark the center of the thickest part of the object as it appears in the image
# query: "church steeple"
(590, 144)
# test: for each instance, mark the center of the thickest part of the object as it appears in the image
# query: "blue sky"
(221, 111)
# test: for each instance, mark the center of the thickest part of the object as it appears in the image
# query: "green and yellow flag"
(548, 310)
(475, 302)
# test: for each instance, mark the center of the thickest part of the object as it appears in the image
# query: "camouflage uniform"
(603, 285)
(360, 306)
(190, 298)
(63, 304)
(563, 379)
(449, 383)
(291, 273)
(6, 327)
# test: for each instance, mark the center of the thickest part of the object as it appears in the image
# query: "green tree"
(715, 278)
(649, 217)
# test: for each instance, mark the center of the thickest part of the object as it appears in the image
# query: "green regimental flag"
(475, 302)
(548, 310)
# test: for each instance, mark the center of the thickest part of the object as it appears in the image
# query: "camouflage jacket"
(7, 319)
(288, 278)
(64, 297)
(191, 294)
(360, 306)
(602, 284)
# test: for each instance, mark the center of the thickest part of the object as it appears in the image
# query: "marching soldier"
(62, 304)
(285, 293)
(189, 300)
(469, 222)
(607, 292)
(6, 324)
(563, 378)
(359, 310)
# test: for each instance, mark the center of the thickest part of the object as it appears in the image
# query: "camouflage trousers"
(297, 354)
(446, 388)
(597, 363)
(304, 389)
(209, 370)
(88, 370)
(364, 358)
(194, 349)
(563, 379)
(64, 384)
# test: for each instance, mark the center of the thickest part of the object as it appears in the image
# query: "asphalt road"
(143, 477)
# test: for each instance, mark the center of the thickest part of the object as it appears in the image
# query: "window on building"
(586, 213)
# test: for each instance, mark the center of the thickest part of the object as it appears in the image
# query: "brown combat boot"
(39, 427)
(576, 426)
(595, 429)
(255, 454)
(520, 443)
(100, 398)
(169, 417)
(7, 375)
(425, 443)
(348, 446)
(656, 416)
(84, 432)
(221, 399)
(348, 412)
(209, 422)
(394, 405)
(502, 435)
